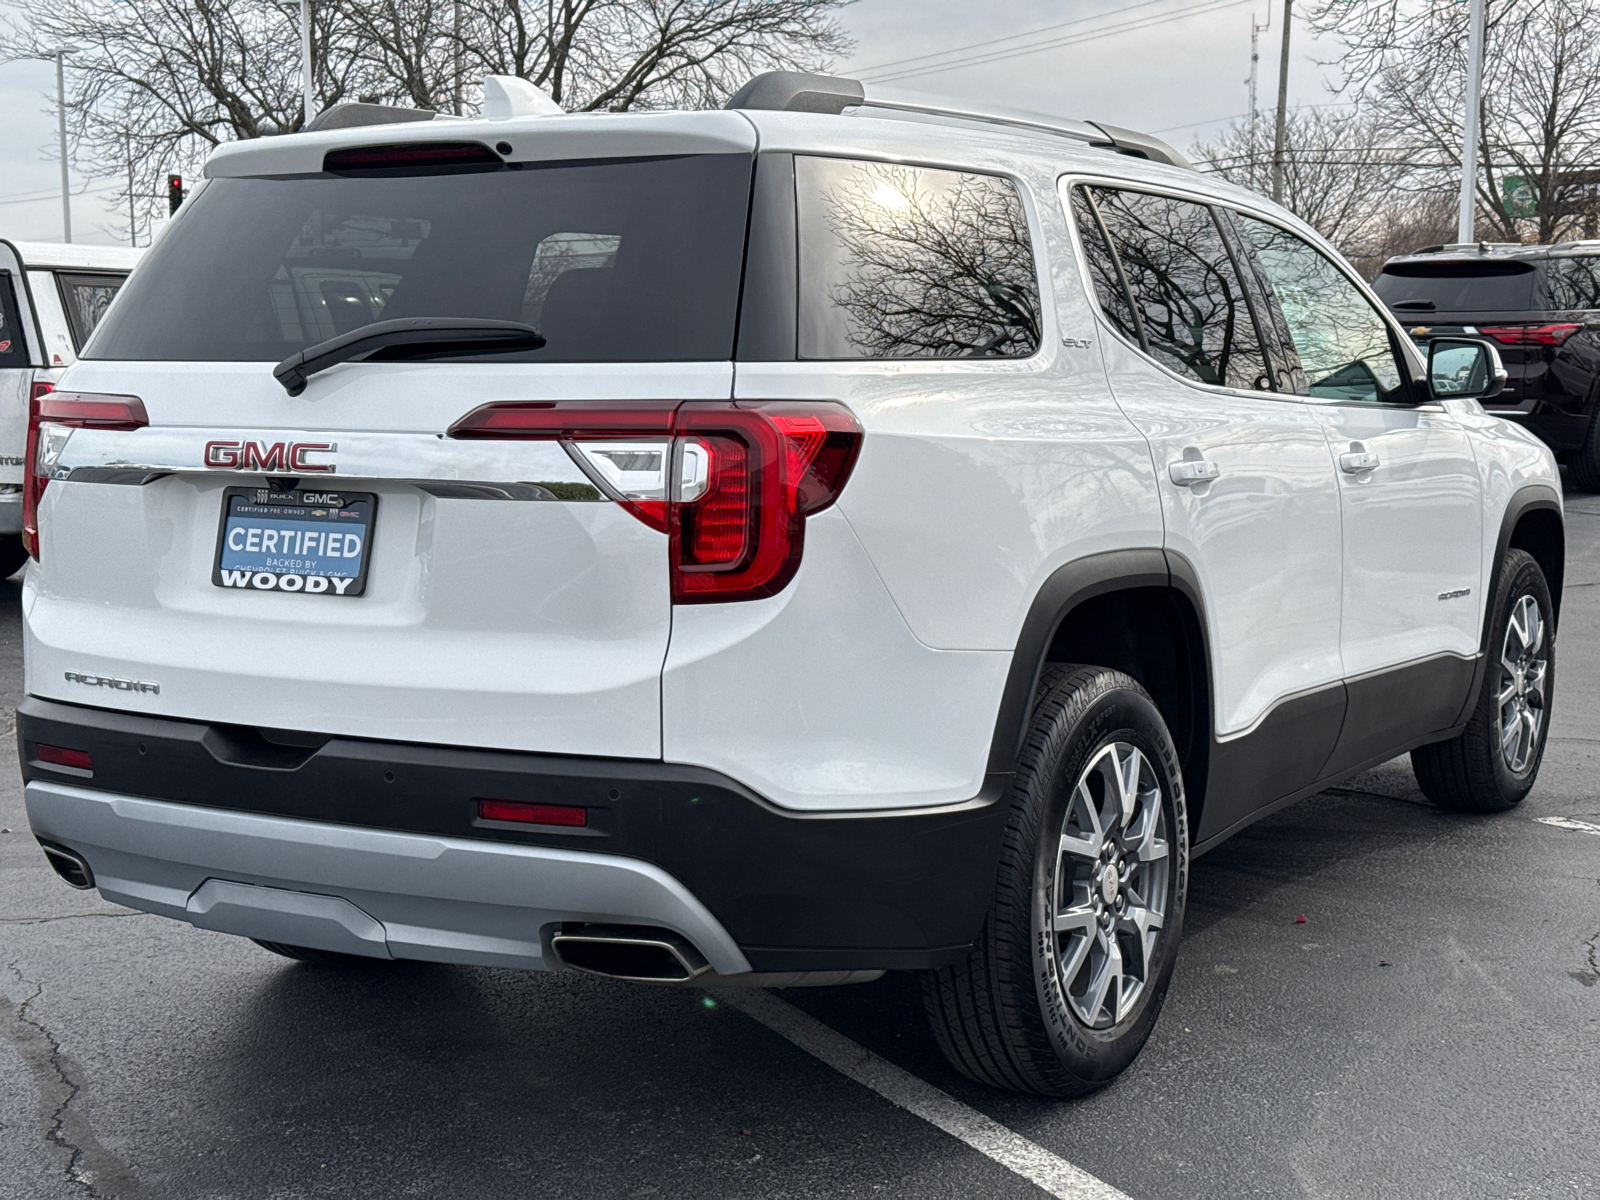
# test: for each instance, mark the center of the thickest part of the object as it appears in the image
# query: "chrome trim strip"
(442, 467)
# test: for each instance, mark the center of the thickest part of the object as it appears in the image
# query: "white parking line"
(1569, 823)
(1011, 1150)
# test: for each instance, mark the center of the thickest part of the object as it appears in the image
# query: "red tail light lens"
(1529, 335)
(532, 814)
(79, 760)
(74, 410)
(731, 483)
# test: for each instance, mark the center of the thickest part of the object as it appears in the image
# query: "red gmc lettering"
(264, 456)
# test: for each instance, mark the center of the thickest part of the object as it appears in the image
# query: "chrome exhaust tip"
(636, 953)
(69, 865)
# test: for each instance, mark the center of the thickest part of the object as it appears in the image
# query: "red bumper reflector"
(531, 814)
(62, 757)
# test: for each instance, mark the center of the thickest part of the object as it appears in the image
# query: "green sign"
(1518, 197)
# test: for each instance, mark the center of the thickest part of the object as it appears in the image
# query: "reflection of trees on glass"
(1573, 282)
(1186, 294)
(905, 262)
(558, 254)
(1343, 344)
(1108, 288)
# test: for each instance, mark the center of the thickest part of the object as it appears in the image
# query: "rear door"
(1411, 501)
(505, 598)
(18, 356)
(1247, 487)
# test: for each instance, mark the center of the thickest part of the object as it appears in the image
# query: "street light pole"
(1469, 124)
(1280, 138)
(306, 111)
(61, 129)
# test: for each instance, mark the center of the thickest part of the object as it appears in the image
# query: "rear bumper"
(387, 833)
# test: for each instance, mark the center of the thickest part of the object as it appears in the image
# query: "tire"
(1003, 1016)
(1583, 467)
(1480, 770)
(323, 958)
(12, 555)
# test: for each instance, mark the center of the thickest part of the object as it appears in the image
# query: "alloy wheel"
(1520, 703)
(1110, 886)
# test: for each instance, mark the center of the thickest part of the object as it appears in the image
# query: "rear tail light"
(53, 411)
(1529, 335)
(730, 483)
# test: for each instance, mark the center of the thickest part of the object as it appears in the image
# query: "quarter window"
(1573, 282)
(86, 298)
(1187, 300)
(911, 262)
(1343, 344)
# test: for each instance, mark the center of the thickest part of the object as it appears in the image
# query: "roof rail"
(797, 91)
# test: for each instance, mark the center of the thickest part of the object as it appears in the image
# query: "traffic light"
(174, 192)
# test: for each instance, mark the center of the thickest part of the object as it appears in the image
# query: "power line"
(1207, 6)
(1010, 37)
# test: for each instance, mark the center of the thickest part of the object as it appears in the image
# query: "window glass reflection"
(910, 262)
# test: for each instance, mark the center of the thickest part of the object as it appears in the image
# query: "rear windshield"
(1456, 286)
(620, 260)
(86, 298)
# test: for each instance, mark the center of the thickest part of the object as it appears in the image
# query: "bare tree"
(164, 81)
(1540, 114)
(1340, 176)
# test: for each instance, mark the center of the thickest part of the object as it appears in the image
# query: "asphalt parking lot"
(1431, 1029)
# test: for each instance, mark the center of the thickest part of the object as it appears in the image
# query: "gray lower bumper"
(362, 891)
(10, 509)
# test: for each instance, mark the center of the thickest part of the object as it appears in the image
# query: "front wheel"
(1492, 764)
(1068, 976)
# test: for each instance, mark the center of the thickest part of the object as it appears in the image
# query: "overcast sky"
(1175, 73)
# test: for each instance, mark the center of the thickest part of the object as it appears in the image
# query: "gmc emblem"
(268, 456)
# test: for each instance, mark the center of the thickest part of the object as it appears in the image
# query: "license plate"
(312, 542)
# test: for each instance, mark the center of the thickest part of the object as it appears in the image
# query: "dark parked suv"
(1542, 305)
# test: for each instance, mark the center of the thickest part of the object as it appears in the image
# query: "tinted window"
(1342, 342)
(627, 260)
(1573, 282)
(1456, 286)
(1103, 274)
(907, 262)
(86, 298)
(1186, 293)
(13, 343)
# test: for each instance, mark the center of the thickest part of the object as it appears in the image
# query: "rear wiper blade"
(412, 337)
(1412, 304)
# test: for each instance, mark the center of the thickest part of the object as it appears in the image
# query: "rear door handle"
(1353, 462)
(1190, 471)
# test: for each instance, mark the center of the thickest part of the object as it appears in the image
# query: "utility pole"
(1469, 124)
(307, 110)
(133, 226)
(1281, 136)
(1255, 70)
(61, 129)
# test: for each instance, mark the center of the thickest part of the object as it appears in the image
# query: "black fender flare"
(1068, 586)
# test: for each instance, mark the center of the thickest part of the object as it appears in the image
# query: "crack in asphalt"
(89, 1165)
(45, 920)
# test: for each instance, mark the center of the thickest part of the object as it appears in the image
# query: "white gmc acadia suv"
(837, 534)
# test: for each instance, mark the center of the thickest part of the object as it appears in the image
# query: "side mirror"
(1464, 369)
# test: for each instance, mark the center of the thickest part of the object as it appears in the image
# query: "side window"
(911, 262)
(86, 298)
(1104, 273)
(1187, 297)
(1342, 342)
(13, 342)
(1573, 282)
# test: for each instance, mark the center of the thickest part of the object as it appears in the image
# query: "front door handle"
(1353, 462)
(1188, 472)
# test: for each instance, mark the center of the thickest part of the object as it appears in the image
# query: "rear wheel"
(1491, 766)
(1068, 976)
(327, 958)
(1584, 465)
(12, 555)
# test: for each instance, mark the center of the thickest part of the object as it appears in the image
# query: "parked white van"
(52, 294)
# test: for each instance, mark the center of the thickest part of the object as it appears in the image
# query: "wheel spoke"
(1094, 998)
(1127, 784)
